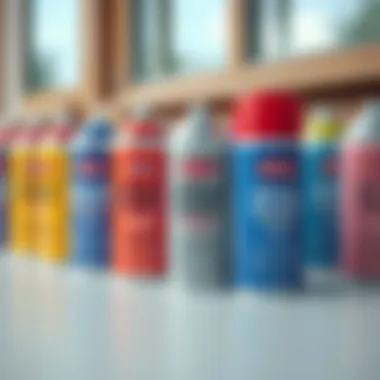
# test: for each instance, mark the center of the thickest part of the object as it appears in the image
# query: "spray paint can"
(90, 194)
(360, 208)
(139, 181)
(51, 205)
(267, 192)
(321, 189)
(21, 188)
(199, 203)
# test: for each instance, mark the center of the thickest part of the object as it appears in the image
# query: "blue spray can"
(267, 192)
(320, 189)
(90, 194)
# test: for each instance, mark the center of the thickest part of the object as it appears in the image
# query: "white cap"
(366, 127)
(142, 112)
(199, 119)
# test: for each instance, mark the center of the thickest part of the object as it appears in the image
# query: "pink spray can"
(361, 195)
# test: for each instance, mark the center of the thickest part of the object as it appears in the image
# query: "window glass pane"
(147, 54)
(52, 49)
(199, 34)
(294, 27)
(179, 37)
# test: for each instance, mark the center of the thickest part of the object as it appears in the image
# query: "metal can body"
(22, 178)
(199, 212)
(52, 203)
(360, 193)
(321, 211)
(267, 215)
(361, 210)
(90, 206)
(139, 211)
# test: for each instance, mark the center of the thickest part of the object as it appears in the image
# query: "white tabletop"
(58, 323)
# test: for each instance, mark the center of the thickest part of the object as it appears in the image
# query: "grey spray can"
(199, 204)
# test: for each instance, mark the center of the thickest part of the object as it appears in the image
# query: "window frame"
(320, 73)
(107, 67)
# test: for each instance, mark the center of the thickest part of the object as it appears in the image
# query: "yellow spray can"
(20, 179)
(52, 194)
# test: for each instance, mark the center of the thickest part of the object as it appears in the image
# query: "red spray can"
(139, 178)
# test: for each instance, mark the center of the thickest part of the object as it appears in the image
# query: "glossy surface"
(59, 324)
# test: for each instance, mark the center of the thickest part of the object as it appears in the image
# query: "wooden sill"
(319, 73)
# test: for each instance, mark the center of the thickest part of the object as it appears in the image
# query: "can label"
(51, 204)
(267, 215)
(199, 219)
(320, 184)
(90, 207)
(361, 211)
(139, 212)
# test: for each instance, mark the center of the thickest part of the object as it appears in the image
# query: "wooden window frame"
(319, 73)
(107, 67)
(92, 86)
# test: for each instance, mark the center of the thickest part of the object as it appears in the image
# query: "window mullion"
(283, 14)
(166, 30)
(238, 32)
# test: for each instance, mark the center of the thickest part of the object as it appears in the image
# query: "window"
(178, 37)
(52, 45)
(296, 27)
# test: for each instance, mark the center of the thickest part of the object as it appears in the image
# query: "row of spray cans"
(250, 210)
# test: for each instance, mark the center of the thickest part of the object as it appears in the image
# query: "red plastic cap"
(64, 133)
(268, 116)
(4, 135)
(13, 133)
(35, 134)
(20, 133)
